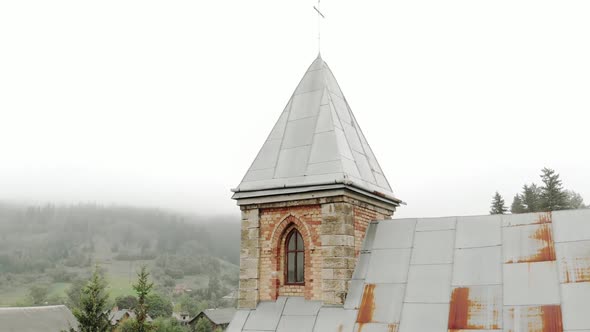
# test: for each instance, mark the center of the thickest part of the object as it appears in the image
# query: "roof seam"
(340, 122)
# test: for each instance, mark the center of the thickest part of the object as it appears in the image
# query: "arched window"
(294, 258)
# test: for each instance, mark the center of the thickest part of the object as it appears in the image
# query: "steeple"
(316, 142)
(308, 198)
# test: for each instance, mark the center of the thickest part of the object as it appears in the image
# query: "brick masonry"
(332, 229)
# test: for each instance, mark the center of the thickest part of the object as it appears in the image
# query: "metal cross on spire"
(320, 16)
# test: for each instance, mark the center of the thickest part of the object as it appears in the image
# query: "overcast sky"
(166, 103)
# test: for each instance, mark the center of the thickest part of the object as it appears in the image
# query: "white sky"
(166, 103)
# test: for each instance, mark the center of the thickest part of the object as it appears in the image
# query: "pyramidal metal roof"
(316, 141)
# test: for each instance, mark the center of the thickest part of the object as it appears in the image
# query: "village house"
(218, 318)
(37, 319)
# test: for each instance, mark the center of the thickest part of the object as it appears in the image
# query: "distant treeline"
(42, 238)
(548, 196)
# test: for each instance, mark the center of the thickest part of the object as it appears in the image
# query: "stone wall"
(332, 230)
(249, 259)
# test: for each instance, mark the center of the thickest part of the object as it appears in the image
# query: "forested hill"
(55, 244)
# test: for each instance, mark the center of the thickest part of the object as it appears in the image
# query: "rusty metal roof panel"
(545, 318)
(531, 284)
(381, 303)
(333, 319)
(528, 243)
(573, 261)
(375, 327)
(526, 219)
(478, 231)
(476, 308)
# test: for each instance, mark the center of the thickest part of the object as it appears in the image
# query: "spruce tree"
(531, 198)
(517, 206)
(574, 200)
(553, 197)
(142, 289)
(92, 312)
(498, 206)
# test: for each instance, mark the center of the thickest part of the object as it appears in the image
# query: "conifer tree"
(574, 200)
(517, 206)
(531, 198)
(92, 312)
(143, 289)
(498, 206)
(553, 197)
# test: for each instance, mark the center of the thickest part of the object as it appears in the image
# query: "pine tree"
(531, 198)
(574, 200)
(498, 206)
(517, 206)
(142, 288)
(553, 197)
(92, 312)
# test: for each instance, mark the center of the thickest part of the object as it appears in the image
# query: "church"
(320, 251)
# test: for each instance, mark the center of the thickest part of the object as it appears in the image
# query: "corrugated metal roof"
(316, 141)
(514, 273)
(37, 319)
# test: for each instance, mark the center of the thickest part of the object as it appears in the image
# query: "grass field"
(120, 277)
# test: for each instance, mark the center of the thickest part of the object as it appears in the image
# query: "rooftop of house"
(217, 316)
(37, 319)
(523, 272)
(116, 315)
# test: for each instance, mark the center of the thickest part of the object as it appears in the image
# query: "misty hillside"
(54, 246)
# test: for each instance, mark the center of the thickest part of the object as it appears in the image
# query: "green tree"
(517, 206)
(191, 305)
(203, 325)
(498, 205)
(574, 200)
(92, 313)
(553, 197)
(159, 306)
(167, 325)
(531, 198)
(38, 294)
(74, 292)
(128, 325)
(143, 289)
(126, 302)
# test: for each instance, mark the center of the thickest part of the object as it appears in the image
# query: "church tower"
(308, 198)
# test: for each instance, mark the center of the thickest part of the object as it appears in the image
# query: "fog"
(166, 104)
